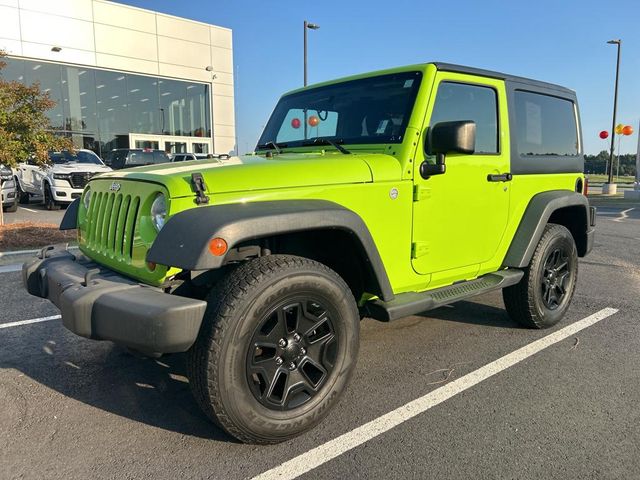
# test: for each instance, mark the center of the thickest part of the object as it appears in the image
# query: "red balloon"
(627, 130)
(604, 134)
(295, 123)
(314, 121)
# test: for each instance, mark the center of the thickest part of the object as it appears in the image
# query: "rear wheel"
(545, 292)
(49, 202)
(277, 347)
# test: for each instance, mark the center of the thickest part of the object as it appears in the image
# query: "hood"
(257, 172)
(78, 167)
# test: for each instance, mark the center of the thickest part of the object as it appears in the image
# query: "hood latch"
(200, 188)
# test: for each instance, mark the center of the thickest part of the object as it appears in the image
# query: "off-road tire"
(49, 201)
(524, 301)
(217, 363)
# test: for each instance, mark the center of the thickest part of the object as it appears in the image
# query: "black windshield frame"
(357, 109)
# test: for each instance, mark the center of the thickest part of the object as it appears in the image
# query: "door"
(28, 172)
(459, 217)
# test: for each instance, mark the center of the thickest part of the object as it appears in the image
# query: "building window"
(99, 109)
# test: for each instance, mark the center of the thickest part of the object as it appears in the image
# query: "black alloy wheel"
(291, 354)
(554, 277)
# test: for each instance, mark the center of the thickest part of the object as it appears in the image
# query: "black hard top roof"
(449, 67)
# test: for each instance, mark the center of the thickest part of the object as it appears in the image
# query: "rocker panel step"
(410, 303)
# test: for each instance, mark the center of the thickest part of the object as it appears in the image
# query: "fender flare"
(184, 240)
(534, 220)
(70, 218)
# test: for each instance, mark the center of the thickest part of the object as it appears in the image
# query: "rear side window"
(545, 125)
(458, 101)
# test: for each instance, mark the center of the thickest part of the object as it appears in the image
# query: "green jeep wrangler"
(379, 195)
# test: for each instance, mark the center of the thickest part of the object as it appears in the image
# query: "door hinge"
(419, 249)
(420, 192)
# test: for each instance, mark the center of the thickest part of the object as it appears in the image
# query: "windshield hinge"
(200, 188)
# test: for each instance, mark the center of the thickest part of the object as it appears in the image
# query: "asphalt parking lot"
(35, 211)
(73, 408)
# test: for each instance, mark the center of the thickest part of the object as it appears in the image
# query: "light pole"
(610, 187)
(307, 26)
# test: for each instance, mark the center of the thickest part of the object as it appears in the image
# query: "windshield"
(78, 157)
(368, 110)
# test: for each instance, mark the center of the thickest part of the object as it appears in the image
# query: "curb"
(28, 252)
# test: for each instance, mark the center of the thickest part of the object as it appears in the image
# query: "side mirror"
(447, 137)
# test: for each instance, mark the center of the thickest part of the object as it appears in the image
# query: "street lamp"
(610, 187)
(307, 26)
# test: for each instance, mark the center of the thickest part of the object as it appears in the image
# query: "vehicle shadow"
(474, 314)
(151, 391)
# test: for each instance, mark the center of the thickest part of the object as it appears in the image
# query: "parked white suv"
(61, 182)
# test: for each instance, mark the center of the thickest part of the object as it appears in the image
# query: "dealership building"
(124, 77)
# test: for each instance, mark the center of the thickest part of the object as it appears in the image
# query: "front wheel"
(542, 297)
(277, 347)
(49, 201)
(23, 197)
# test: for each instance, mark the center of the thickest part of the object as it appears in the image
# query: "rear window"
(545, 125)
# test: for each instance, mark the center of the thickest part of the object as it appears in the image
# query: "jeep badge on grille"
(115, 186)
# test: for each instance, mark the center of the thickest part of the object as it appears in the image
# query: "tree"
(25, 130)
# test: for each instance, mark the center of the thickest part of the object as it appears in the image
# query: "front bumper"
(100, 304)
(66, 194)
(8, 196)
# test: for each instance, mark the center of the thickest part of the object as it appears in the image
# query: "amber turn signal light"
(218, 247)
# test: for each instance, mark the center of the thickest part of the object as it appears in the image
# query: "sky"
(561, 41)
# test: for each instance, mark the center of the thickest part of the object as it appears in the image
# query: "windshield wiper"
(273, 146)
(327, 141)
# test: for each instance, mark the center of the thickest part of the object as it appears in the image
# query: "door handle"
(503, 177)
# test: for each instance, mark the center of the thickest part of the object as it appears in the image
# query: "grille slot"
(112, 224)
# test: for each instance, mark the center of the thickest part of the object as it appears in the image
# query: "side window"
(458, 101)
(545, 125)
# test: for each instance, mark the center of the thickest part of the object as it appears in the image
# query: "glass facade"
(99, 109)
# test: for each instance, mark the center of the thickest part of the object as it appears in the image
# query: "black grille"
(80, 179)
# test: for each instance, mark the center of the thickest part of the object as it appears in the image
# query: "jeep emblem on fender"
(115, 186)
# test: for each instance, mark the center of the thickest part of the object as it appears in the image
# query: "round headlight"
(158, 211)
(86, 199)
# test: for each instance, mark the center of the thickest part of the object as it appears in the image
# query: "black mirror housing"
(451, 137)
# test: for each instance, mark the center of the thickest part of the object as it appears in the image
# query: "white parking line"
(623, 215)
(10, 268)
(318, 456)
(28, 322)
(29, 210)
